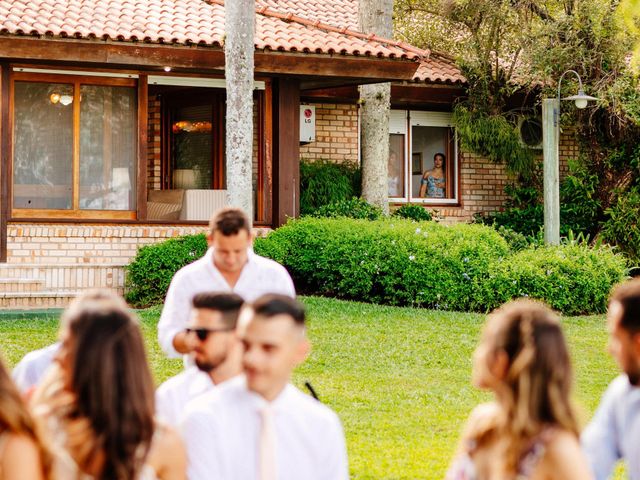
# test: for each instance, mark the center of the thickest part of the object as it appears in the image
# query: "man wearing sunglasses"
(228, 266)
(258, 425)
(215, 349)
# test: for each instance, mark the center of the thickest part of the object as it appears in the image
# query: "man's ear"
(302, 351)
(635, 341)
(209, 239)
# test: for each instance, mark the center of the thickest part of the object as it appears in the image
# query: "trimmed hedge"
(413, 212)
(572, 278)
(391, 261)
(352, 208)
(323, 182)
(401, 262)
(149, 274)
(461, 267)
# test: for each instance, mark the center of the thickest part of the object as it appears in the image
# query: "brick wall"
(336, 134)
(482, 182)
(154, 158)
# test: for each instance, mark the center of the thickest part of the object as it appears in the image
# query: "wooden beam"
(114, 53)
(143, 127)
(286, 172)
(154, 57)
(343, 66)
(268, 151)
(5, 156)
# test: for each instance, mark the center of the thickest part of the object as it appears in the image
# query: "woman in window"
(22, 455)
(529, 431)
(433, 181)
(98, 405)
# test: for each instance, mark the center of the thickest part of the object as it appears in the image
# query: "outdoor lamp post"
(550, 152)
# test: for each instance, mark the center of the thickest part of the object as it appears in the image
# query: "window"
(423, 164)
(74, 147)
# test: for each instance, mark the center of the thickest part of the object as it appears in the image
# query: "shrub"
(461, 267)
(390, 261)
(149, 274)
(413, 212)
(352, 208)
(621, 227)
(573, 278)
(323, 182)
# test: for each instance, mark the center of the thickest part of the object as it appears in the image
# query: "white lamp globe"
(581, 103)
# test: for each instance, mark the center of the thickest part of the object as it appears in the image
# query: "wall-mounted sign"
(307, 123)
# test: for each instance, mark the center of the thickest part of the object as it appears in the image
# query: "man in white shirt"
(614, 431)
(30, 370)
(216, 351)
(228, 266)
(259, 426)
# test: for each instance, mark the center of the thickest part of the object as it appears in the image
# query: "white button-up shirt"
(221, 430)
(174, 394)
(614, 431)
(28, 372)
(259, 276)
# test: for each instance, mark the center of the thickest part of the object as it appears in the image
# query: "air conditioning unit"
(530, 131)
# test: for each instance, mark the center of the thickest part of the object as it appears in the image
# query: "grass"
(398, 377)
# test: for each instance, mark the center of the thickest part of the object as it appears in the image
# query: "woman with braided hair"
(529, 431)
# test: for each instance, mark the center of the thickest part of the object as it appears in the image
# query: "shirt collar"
(277, 404)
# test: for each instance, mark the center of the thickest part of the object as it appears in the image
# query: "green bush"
(574, 278)
(460, 267)
(323, 182)
(149, 274)
(413, 212)
(621, 227)
(352, 208)
(390, 261)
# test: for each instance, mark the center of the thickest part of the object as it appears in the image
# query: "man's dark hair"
(270, 305)
(628, 295)
(228, 304)
(229, 221)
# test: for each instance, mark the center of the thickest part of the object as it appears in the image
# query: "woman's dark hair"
(112, 382)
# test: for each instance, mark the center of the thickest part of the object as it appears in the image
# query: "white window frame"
(402, 122)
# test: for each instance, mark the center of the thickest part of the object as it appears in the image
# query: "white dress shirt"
(259, 276)
(221, 430)
(174, 394)
(614, 431)
(28, 372)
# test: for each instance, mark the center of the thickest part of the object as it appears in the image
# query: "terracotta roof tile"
(439, 68)
(194, 22)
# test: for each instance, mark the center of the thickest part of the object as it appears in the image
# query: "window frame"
(77, 81)
(402, 121)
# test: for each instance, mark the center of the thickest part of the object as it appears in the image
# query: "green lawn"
(398, 377)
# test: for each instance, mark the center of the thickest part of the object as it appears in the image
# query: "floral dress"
(432, 190)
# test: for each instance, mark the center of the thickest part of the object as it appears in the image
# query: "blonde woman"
(22, 455)
(529, 431)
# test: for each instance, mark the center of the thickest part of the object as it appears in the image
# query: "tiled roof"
(434, 68)
(199, 22)
(341, 13)
(438, 68)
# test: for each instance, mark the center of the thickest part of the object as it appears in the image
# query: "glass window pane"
(107, 148)
(396, 165)
(43, 145)
(431, 172)
(192, 147)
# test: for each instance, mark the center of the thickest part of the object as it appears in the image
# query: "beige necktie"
(267, 446)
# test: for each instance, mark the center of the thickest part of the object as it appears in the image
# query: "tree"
(375, 16)
(238, 53)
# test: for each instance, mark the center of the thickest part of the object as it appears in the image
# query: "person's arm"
(335, 463)
(174, 318)
(21, 459)
(564, 460)
(600, 438)
(202, 446)
(169, 460)
(423, 185)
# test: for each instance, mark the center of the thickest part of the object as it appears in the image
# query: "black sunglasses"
(203, 333)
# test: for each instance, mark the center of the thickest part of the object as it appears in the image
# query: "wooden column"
(143, 126)
(5, 156)
(286, 150)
